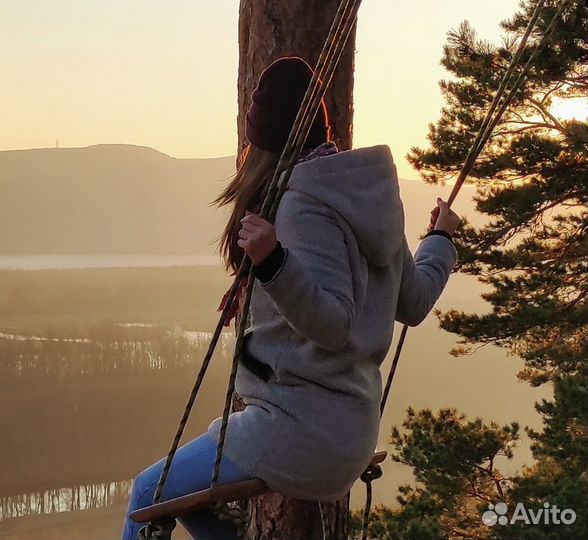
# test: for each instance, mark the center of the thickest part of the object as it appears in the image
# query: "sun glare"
(570, 109)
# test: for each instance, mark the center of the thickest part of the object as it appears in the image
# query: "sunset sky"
(163, 74)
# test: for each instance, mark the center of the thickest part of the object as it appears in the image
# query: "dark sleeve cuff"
(267, 268)
(440, 233)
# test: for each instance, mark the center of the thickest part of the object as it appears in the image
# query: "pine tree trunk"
(270, 29)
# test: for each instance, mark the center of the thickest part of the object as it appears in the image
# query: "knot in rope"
(234, 513)
(373, 472)
(160, 530)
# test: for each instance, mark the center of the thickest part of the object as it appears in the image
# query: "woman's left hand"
(257, 237)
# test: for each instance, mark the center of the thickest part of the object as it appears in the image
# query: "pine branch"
(546, 114)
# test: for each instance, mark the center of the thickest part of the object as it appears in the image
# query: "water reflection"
(17, 337)
(84, 497)
(104, 349)
(98, 403)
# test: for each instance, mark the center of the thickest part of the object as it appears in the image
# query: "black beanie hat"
(275, 103)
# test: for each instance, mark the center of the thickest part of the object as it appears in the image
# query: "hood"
(362, 187)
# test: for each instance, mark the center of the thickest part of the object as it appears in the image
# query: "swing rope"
(485, 131)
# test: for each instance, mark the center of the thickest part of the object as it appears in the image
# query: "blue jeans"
(191, 471)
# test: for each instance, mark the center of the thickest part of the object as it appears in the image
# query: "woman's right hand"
(443, 218)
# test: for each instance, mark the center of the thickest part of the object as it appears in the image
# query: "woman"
(332, 275)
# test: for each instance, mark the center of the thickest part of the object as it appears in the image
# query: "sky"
(164, 74)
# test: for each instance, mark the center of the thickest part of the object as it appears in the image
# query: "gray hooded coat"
(324, 325)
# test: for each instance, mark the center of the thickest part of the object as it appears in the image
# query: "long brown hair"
(244, 192)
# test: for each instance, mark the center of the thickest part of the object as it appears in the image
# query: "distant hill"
(108, 199)
(123, 199)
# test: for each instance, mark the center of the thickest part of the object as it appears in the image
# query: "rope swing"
(161, 516)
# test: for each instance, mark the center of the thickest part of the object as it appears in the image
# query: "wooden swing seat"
(207, 497)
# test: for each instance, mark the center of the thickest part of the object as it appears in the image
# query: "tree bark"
(270, 29)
